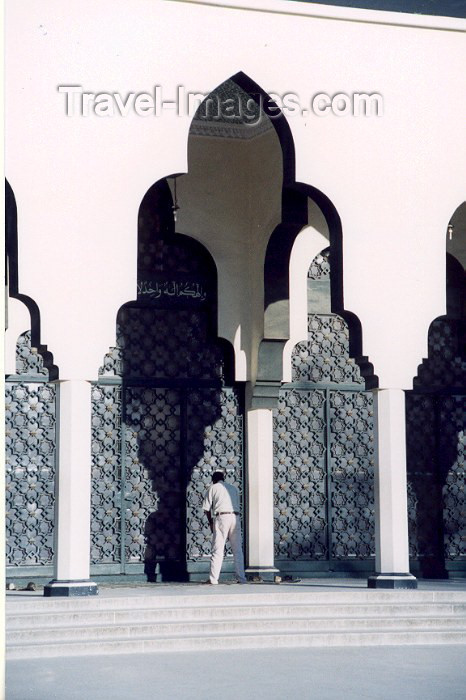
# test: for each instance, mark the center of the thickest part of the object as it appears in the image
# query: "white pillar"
(260, 550)
(391, 504)
(72, 541)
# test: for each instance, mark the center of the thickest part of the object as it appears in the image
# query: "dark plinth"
(66, 589)
(392, 581)
(265, 573)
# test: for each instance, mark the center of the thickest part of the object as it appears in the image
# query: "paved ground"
(382, 673)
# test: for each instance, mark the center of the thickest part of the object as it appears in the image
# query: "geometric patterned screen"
(151, 469)
(324, 475)
(324, 443)
(436, 447)
(30, 436)
(324, 356)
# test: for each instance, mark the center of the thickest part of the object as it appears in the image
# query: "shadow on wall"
(436, 440)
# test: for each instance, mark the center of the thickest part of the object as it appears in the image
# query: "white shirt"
(221, 498)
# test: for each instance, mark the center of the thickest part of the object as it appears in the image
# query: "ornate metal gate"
(153, 457)
(164, 414)
(324, 448)
(436, 446)
(30, 422)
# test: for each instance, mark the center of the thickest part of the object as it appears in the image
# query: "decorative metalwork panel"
(106, 475)
(172, 440)
(352, 474)
(28, 360)
(435, 458)
(324, 475)
(170, 430)
(324, 442)
(178, 419)
(154, 488)
(300, 476)
(163, 343)
(324, 357)
(435, 434)
(30, 413)
(452, 447)
(320, 266)
(214, 439)
(446, 364)
(424, 516)
(113, 363)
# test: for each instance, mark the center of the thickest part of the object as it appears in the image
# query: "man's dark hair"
(218, 476)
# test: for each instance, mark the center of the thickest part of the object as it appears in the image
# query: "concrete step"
(231, 627)
(38, 627)
(26, 619)
(243, 641)
(211, 596)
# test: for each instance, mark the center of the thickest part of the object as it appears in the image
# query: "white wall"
(395, 180)
(19, 321)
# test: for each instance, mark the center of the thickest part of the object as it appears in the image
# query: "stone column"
(260, 549)
(391, 506)
(72, 538)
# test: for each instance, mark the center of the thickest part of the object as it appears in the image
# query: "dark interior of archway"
(436, 441)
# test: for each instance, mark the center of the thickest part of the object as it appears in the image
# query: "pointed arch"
(280, 124)
(294, 216)
(435, 422)
(12, 281)
(31, 424)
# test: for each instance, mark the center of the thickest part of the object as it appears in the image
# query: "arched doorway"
(324, 449)
(165, 411)
(31, 431)
(436, 430)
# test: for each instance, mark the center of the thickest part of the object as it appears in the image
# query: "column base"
(65, 589)
(392, 581)
(265, 573)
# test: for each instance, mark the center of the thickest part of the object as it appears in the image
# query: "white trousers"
(227, 527)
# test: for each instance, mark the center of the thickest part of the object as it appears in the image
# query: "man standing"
(221, 505)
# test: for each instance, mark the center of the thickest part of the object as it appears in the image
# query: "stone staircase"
(45, 627)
